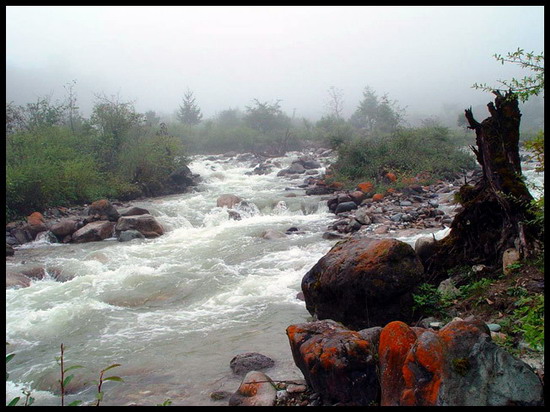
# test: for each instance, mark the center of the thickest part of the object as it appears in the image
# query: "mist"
(425, 58)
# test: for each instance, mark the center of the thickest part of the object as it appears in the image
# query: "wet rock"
(17, 280)
(272, 234)
(333, 235)
(147, 225)
(256, 389)
(64, 227)
(250, 361)
(127, 235)
(345, 207)
(424, 248)
(47, 236)
(9, 250)
(363, 282)
(220, 395)
(362, 216)
(227, 200)
(134, 211)
(104, 209)
(336, 362)
(94, 231)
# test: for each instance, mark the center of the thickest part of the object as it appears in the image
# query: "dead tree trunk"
(495, 213)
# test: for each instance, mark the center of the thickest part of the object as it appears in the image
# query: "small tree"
(335, 105)
(376, 115)
(189, 113)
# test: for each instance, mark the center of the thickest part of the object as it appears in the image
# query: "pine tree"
(189, 113)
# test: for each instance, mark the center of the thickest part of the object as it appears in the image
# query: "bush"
(407, 153)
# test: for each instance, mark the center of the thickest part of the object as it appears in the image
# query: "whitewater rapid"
(174, 310)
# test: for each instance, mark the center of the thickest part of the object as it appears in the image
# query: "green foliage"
(189, 113)
(266, 118)
(529, 319)
(536, 146)
(528, 86)
(429, 301)
(376, 116)
(406, 153)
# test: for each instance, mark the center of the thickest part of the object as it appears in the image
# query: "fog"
(425, 58)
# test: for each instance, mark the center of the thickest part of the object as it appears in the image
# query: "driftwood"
(495, 213)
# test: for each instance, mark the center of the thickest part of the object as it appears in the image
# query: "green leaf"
(114, 378)
(14, 401)
(9, 357)
(72, 367)
(75, 403)
(67, 380)
(111, 367)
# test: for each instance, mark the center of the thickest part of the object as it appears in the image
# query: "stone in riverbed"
(256, 389)
(147, 225)
(94, 231)
(250, 361)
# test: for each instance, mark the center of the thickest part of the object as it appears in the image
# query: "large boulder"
(227, 200)
(256, 389)
(104, 210)
(64, 227)
(147, 225)
(183, 177)
(363, 282)
(94, 231)
(338, 363)
(458, 365)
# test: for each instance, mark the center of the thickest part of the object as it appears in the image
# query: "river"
(172, 311)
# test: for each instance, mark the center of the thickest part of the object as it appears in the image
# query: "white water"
(173, 311)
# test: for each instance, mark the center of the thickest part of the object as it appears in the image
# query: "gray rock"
(361, 215)
(128, 235)
(250, 361)
(345, 207)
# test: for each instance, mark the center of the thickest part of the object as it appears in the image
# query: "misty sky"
(423, 57)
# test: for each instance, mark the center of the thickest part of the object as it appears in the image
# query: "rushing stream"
(174, 310)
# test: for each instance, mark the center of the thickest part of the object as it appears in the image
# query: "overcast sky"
(426, 58)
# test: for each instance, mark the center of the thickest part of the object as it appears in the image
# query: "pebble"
(493, 327)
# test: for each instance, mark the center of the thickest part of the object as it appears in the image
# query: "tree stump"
(496, 212)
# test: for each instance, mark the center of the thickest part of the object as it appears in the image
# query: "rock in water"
(227, 200)
(250, 361)
(147, 225)
(363, 282)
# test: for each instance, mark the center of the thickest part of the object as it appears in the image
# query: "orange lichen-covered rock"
(396, 340)
(35, 218)
(456, 366)
(365, 187)
(423, 369)
(363, 282)
(36, 224)
(256, 390)
(390, 190)
(391, 176)
(377, 197)
(336, 362)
